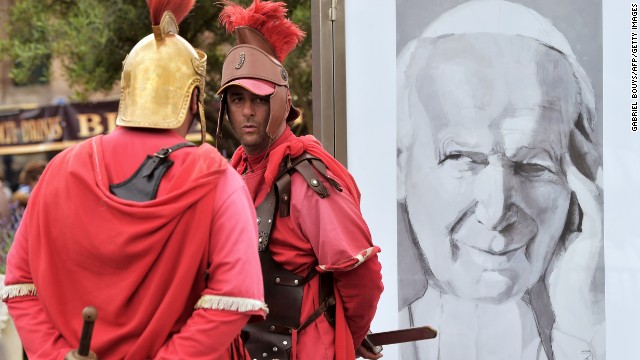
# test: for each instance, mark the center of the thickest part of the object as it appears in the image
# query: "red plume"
(179, 9)
(269, 19)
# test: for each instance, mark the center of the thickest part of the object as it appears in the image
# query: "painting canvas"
(499, 178)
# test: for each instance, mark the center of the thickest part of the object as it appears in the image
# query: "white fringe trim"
(218, 302)
(12, 291)
(360, 258)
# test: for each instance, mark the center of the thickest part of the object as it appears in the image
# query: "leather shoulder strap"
(143, 184)
(161, 156)
(265, 212)
(311, 168)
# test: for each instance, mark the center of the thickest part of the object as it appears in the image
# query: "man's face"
(485, 189)
(249, 115)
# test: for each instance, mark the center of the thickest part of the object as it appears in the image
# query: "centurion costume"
(155, 248)
(321, 274)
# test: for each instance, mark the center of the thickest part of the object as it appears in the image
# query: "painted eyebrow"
(475, 156)
(449, 145)
(535, 155)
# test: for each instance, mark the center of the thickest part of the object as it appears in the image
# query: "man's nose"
(494, 189)
(247, 109)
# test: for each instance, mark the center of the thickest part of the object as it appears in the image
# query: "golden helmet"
(158, 77)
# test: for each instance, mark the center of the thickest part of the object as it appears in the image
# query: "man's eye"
(531, 169)
(456, 157)
(262, 100)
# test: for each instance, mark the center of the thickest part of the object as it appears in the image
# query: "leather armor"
(272, 338)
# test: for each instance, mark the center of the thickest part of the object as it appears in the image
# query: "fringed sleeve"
(17, 290)
(217, 302)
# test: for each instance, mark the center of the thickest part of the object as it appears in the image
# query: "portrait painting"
(499, 178)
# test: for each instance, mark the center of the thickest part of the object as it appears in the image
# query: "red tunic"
(330, 233)
(163, 274)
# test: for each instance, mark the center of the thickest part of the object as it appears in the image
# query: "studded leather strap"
(265, 212)
(311, 168)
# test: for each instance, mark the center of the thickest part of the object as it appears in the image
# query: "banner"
(57, 127)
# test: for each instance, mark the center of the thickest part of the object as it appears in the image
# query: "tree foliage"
(91, 38)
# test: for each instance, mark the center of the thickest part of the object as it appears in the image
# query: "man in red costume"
(322, 275)
(164, 250)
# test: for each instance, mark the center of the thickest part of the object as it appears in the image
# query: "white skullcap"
(499, 17)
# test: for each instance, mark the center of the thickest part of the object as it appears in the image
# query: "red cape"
(138, 276)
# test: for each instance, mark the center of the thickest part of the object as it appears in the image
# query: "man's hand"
(576, 303)
(362, 352)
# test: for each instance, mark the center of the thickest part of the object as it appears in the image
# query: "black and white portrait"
(499, 181)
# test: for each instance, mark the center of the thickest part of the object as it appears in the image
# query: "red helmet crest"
(268, 18)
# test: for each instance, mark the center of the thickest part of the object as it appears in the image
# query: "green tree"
(92, 37)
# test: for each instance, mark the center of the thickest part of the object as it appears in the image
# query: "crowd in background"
(14, 202)
(14, 196)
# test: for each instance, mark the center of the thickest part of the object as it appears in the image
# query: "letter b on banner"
(90, 125)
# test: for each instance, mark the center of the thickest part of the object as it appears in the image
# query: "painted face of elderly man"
(491, 125)
(484, 174)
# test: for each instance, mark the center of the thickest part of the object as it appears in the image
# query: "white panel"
(371, 128)
(621, 180)
(370, 39)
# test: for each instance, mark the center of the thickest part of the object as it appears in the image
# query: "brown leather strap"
(331, 301)
(403, 335)
(311, 168)
(283, 184)
(265, 212)
(322, 168)
(326, 292)
(310, 275)
(319, 167)
(305, 169)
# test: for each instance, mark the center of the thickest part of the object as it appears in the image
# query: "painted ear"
(574, 217)
(582, 150)
(577, 303)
